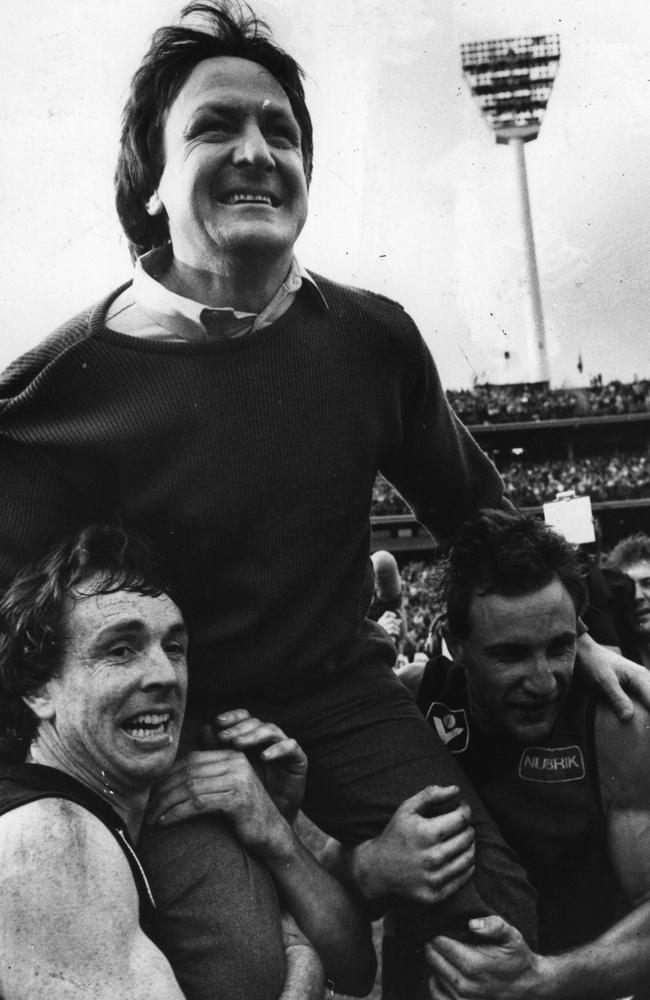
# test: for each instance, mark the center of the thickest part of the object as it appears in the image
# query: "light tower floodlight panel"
(511, 80)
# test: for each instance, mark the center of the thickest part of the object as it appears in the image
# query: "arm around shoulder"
(623, 750)
(498, 965)
(69, 911)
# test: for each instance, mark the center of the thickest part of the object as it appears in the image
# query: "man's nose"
(159, 670)
(540, 680)
(252, 149)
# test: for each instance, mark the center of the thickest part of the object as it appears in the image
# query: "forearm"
(615, 965)
(614, 676)
(412, 861)
(305, 978)
(324, 911)
(356, 868)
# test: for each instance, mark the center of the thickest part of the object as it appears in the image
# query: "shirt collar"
(191, 320)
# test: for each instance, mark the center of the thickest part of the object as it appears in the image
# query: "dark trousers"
(369, 749)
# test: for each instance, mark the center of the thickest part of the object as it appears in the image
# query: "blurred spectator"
(386, 606)
(632, 557)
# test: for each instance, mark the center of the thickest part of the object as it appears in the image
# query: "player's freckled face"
(233, 178)
(116, 703)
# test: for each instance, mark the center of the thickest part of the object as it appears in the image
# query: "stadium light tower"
(511, 80)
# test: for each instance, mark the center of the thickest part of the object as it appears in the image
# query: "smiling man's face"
(233, 181)
(518, 658)
(116, 703)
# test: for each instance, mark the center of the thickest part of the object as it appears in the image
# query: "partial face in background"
(640, 573)
(233, 180)
(519, 659)
(116, 704)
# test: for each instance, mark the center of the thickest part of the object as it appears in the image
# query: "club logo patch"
(450, 725)
(558, 764)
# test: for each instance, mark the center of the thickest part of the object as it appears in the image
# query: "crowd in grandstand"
(620, 476)
(530, 484)
(497, 404)
(421, 605)
(601, 477)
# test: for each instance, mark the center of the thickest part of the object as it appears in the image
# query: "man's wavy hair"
(508, 554)
(100, 559)
(632, 549)
(218, 28)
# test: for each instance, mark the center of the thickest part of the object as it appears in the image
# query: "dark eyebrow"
(504, 647)
(135, 627)
(216, 107)
(111, 632)
(232, 109)
(127, 625)
(178, 631)
(508, 647)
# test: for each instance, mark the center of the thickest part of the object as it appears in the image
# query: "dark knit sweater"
(249, 462)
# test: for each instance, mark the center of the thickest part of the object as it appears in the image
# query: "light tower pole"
(511, 80)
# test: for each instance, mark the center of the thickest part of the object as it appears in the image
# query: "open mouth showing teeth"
(250, 198)
(147, 724)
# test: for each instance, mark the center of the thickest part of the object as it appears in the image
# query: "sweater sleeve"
(439, 468)
(36, 506)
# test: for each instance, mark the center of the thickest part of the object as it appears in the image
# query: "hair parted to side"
(100, 559)
(507, 554)
(632, 549)
(208, 29)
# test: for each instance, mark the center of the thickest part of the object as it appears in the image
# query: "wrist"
(543, 980)
(305, 979)
(279, 844)
(367, 872)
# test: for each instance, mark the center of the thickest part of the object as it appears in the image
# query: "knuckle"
(434, 878)
(431, 862)
(465, 811)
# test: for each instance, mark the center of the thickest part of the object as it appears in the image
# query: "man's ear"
(41, 702)
(154, 206)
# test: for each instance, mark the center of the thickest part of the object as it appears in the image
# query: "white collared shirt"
(149, 310)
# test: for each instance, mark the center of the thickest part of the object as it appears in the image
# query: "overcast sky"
(411, 195)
